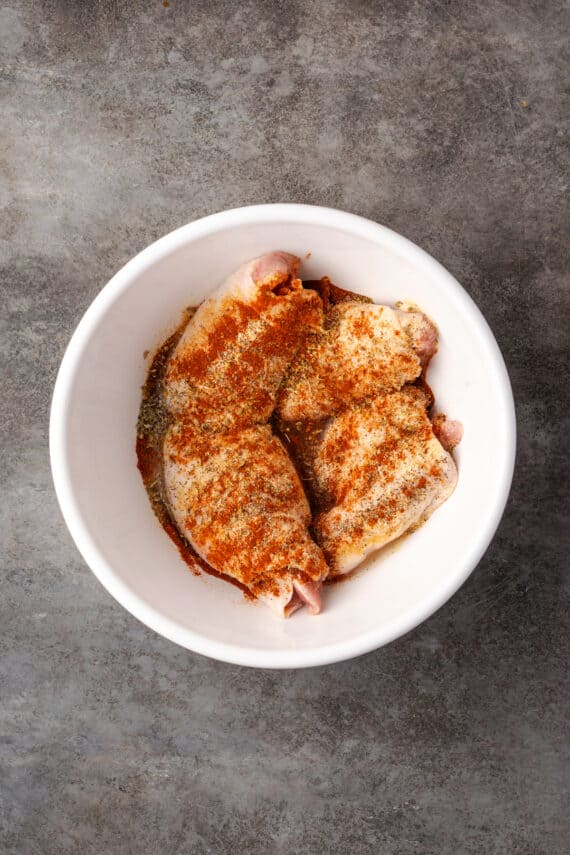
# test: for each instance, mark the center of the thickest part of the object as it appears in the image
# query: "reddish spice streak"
(150, 432)
(362, 327)
(195, 363)
(238, 483)
(233, 368)
(324, 349)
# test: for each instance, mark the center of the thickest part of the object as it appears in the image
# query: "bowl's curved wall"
(92, 439)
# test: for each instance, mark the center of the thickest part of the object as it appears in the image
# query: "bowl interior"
(103, 498)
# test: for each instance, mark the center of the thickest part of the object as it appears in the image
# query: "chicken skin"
(379, 470)
(238, 500)
(363, 350)
(231, 359)
(231, 488)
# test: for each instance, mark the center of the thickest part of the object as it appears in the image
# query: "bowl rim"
(87, 545)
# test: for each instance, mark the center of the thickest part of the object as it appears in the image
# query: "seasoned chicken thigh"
(231, 488)
(379, 470)
(331, 371)
(231, 359)
(364, 350)
(238, 500)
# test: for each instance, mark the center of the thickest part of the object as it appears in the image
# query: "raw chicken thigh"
(230, 361)
(364, 350)
(232, 490)
(360, 432)
(379, 470)
(238, 500)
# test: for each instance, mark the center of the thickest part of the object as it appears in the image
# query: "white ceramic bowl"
(94, 413)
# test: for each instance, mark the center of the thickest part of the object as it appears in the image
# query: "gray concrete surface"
(445, 120)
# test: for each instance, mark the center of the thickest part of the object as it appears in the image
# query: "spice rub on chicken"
(379, 470)
(231, 359)
(341, 381)
(231, 488)
(238, 500)
(360, 432)
(363, 350)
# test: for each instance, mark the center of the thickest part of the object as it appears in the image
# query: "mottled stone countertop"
(444, 120)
